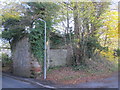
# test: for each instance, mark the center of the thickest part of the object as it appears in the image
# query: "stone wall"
(24, 62)
(22, 58)
(59, 57)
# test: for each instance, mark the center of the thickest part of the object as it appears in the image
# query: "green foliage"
(15, 24)
(11, 16)
(118, 52)
(56, 40)
(86, 29)
(9, 32)
(92, 45)
(37, 41)
(15, 28)
(44, 10)
(6, 60)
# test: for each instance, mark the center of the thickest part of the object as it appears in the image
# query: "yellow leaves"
(109, 55)
(111, 26)
(110, 33)
(111, 17)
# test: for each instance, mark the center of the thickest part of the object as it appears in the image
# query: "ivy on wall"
(36, 39)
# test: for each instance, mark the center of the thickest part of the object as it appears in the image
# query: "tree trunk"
(77, 36)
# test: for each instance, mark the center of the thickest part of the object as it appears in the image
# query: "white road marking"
(46, 86)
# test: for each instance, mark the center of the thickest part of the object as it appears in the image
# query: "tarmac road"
(8, 82)
(110, 82)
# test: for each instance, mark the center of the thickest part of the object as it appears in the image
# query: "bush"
(118, 52)
(6, 60)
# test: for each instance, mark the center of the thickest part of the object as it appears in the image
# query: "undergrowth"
(97, 64)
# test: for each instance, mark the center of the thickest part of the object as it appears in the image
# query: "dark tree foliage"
(15, 29)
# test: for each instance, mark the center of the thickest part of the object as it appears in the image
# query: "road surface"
(8, 82)
(110, 82)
